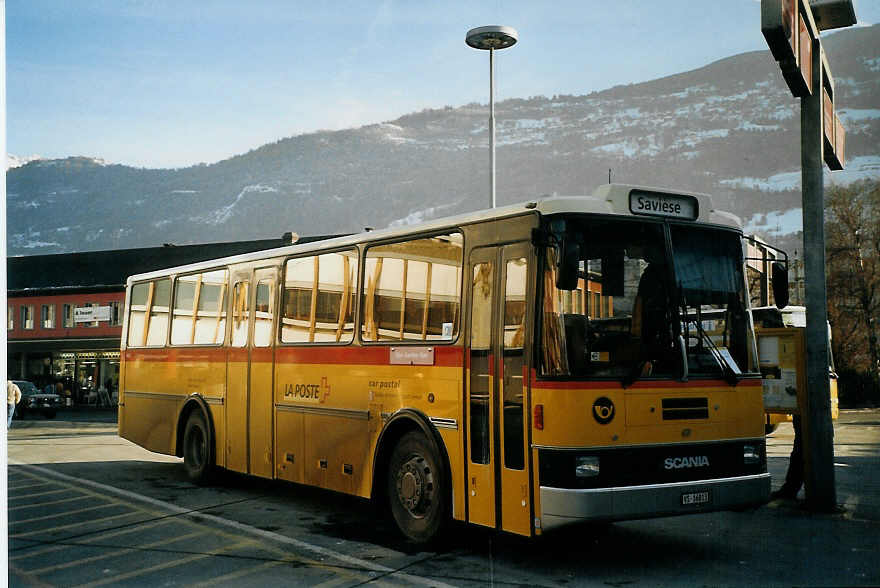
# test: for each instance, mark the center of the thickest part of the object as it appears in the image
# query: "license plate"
(690, 498)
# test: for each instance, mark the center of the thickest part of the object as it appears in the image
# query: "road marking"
(342, 574)
(323, 551)
(162, 566)
(44, 504)
(29, 496)
(26, 486)
(72, 525)
(64, 514)
(114, 553)
(249, 571)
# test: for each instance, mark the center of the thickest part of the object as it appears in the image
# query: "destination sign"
(657, 204)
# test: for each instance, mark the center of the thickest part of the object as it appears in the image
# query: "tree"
(852, 216)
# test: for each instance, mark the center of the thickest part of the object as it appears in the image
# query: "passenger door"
(260, 396)
(238, 372)
(498, 488)
(250, 373)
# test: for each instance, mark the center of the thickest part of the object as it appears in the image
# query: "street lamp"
(491, 37)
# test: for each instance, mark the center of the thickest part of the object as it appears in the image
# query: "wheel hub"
(415, 483)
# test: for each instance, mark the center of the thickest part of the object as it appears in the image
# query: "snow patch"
(16, 161)
(872, 64)
(783, 182)
(222, 215)
(776, 223)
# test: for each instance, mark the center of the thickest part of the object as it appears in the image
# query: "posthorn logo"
(603, 410)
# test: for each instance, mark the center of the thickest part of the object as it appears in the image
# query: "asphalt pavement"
(778, 544)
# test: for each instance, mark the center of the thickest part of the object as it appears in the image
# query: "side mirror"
(779, 277)
(569, 264)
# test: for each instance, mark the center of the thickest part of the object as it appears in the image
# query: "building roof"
(108, 270)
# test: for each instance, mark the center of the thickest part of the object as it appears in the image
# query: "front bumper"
(563, 506)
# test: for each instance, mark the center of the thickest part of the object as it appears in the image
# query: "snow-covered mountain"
(16, 161)
(730, 129)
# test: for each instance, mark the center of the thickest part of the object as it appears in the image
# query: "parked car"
(33, 400)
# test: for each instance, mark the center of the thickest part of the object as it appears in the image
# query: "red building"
(65, 311)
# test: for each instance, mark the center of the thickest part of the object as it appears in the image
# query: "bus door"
(249, 373)
(237, 373)
(261, 397)
(498, 488)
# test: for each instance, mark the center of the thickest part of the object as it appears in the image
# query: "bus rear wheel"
(417, 489)
(198, 449)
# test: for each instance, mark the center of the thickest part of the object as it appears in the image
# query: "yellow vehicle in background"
(782, 356)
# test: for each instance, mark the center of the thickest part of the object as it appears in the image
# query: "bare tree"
(853, 275)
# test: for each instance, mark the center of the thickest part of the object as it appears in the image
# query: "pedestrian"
(794, 477)
(13, 397)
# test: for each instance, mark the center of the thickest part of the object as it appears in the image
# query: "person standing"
(13, 397)
(794, 477)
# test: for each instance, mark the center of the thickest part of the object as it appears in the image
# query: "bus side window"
(136, 314)
(210, 319)
(199, 313)
(319, 295)
(158, 307)
(412, 290)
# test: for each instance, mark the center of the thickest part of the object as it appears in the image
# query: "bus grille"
(675, 409)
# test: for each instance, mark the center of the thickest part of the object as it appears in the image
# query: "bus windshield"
(647, 297)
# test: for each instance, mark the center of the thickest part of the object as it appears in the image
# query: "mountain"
(730, 129)
(16, 161)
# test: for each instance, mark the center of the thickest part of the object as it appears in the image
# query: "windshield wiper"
(732, 375)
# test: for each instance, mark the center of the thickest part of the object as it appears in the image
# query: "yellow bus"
(521, 368)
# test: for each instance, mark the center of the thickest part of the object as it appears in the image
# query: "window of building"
(27, 316)
(200, 309)
(47, 316)
(148, 318)
(319, 295)
(10, 318)
(412, 290)
(67, 316)
(115, 314)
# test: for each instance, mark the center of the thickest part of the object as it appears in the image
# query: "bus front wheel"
(198, 449)
(417, 488)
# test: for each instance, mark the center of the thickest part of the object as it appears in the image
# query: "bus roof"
(609, 199)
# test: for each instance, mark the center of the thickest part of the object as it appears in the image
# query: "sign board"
(782, 364)
(789, 36)
(659, 204)
(412, 356)
(779, 25)
(90, 314)
(791, 29)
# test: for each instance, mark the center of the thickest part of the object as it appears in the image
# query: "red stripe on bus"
(444, 356)
(591, 385)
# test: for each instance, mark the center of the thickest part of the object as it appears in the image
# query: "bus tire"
(198, 449)
(417, 489)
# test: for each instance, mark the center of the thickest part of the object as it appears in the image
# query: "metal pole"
(492, 126)
(818, 440)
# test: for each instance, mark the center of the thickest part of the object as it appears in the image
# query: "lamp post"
(491, 37)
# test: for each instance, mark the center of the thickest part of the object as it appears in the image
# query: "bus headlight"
(751, 455)
(586, 466)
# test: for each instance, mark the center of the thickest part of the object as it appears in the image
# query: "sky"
(169, 84)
